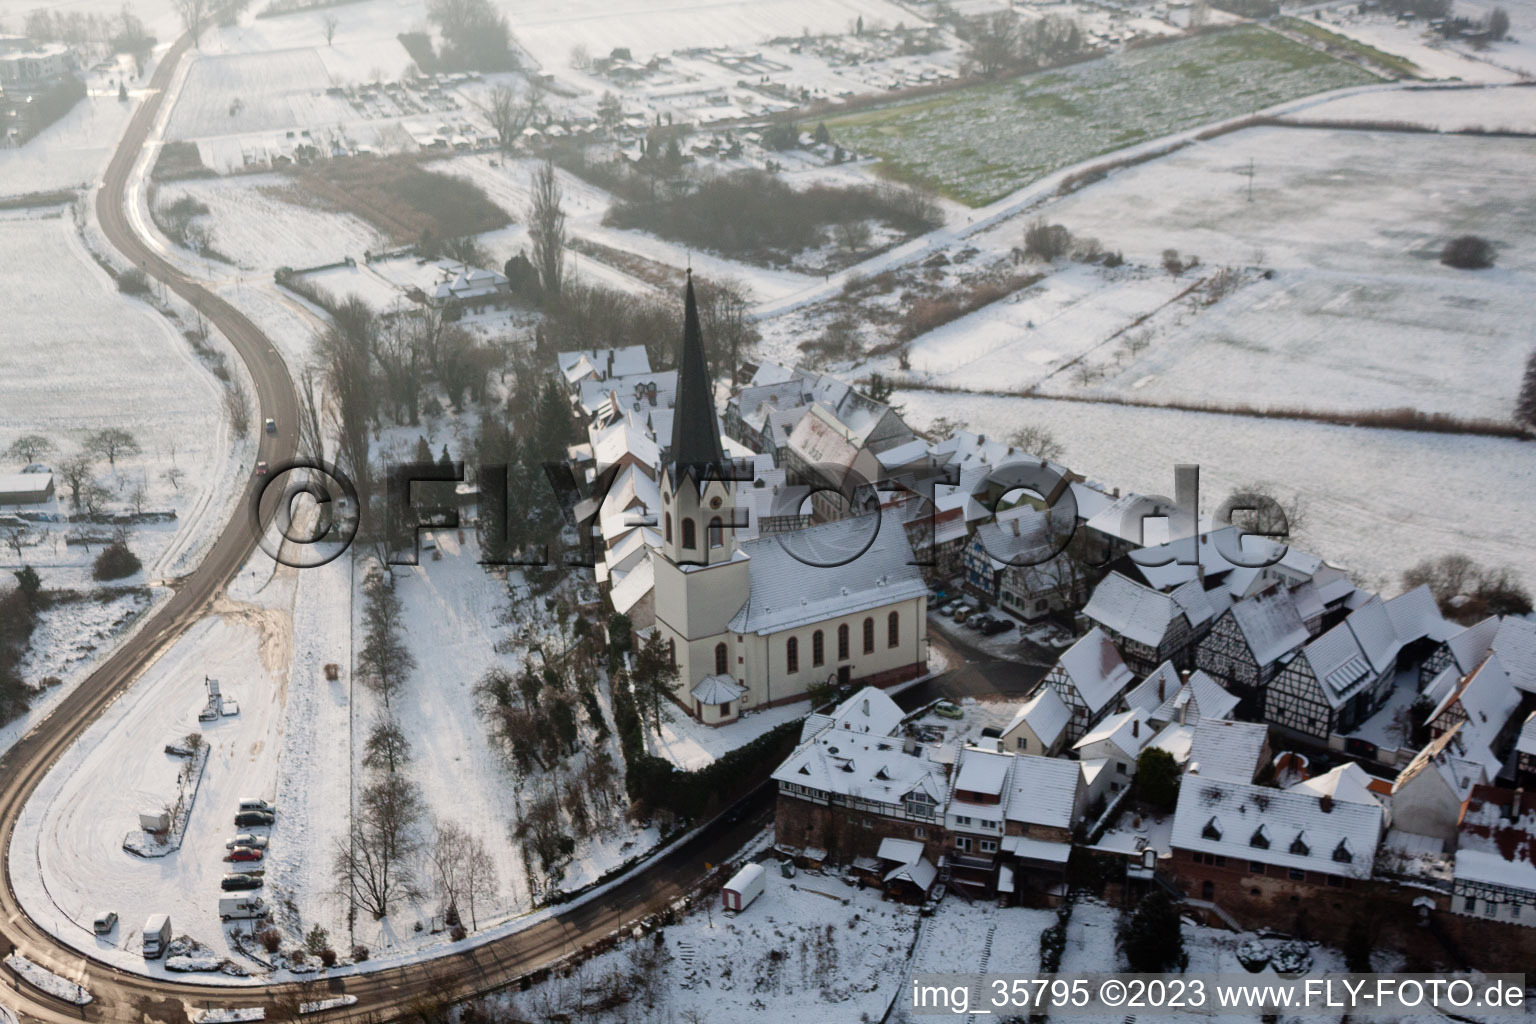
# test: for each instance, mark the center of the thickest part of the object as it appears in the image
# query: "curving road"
(383, 994)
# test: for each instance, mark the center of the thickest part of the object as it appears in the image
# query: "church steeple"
(695, 431)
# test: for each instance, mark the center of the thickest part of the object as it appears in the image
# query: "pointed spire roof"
(695, 431)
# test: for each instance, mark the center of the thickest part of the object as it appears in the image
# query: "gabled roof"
(1470, 646)
(1282, 827)
(1133, 610)
(787, 591)
(1488, 697)
(1129, 731)
(1095, 669)
(1339, 664)
(1227, 751)
(1045, 714)
(1198, 697)
(1375, 634)
(1443, 755)
(862, 766)
(1269, 625)
(1043, 791)
(871, 710)
(1526, 743)
(1415, 616)
(983, 771)
(1515, 644)
(1153, 691)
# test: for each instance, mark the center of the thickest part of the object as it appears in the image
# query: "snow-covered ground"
(809, 949)
(1376, 498)
(690, 744)
(1495, 108)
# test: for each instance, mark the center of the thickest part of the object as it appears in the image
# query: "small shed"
(744, 887)
(25, 488)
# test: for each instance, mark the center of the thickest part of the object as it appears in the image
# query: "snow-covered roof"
(1043, 791)
(919, 872)
(721, 689)
(1131, 609)
(862, 766)
(1488, 697)
(1283, 827)
(983, 771)
(1269, 624)
(1375, 633)
(1158, 687)
(1045, 714)
(1470, 646)
(1496, 844)
(1095, 669)
(1339, 664)
(787, 592)
(1030, 848)
(903, 454)
(1515, 644)
(1164, 696)
(1346, 782)
(1443, 755)
(871, 710)
(902, 851)
(606, 362)
(1526, 742)
(625, 593)
(1226, 750)
(1415, 616)
(1129, 731)
(1189, 558)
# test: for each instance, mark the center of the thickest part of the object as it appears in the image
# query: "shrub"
(328, 957)
(115, 562)
(1153, 937)
(133, 281)
(359, 953)
(1046, 242)
(457, 933)
(1468, 252)
(1157, 778)
(271, 939)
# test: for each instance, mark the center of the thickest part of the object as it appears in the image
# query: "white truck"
(157, 936)
(242, 908)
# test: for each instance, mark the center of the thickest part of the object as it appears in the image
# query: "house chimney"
(1159, 687)
(1135, 727)
(1517, 802)
(1184, 713)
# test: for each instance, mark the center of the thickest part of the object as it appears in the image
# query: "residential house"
(1118, 741)
(1484, 703)
(1228, 751)
(1495, 875)
(1039, 727)
(1150, 627)
(1338, 680)
(973, 816)
(1089, 677)
(1170, 698)
(1428, 795)
(1046, 800)
(1244, 649)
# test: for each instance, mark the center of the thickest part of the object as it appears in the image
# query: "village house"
(1338, 680)
(1484, 704)
(1173, 698)
(1246, 645)
(1117, 741)
(1428, 795)
(1039, 726)
(1227, 751)
(1495, 873)
(1089, 677)
(1150, 627)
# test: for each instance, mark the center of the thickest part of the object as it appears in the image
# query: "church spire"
(695, 431)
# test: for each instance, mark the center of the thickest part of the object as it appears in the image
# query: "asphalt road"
(382, 994)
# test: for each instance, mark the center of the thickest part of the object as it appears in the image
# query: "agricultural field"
(1358, 313)
(255, 92)
(979, 144)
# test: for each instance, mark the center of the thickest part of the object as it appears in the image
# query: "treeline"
(476, 37)
(120, 33)
(752, 213)
(41, 109)
(18, 615)
(1005, 43)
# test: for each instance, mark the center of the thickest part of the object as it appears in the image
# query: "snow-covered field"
(1378, 500)
(1360, 313)
(74, 150)
(1495, 108)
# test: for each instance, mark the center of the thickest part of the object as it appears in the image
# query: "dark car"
(251, 819)
(997, 626)
(236, 883)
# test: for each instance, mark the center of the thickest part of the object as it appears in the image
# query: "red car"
(244, 853)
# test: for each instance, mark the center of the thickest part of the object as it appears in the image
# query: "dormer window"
(1212, 830)
(1260, 838)
(1342, 853)
(1299, 845)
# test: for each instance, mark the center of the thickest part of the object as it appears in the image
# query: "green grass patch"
(980, 143)
(1400, 66)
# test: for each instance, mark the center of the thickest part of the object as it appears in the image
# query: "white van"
(242, 908)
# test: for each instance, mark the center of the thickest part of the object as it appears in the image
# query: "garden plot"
(1377, 500)
(1019, 341)
(251, 221)
(981, 143)
(255, 92)
(1495, 108)
(1360, 313)
(67, 859)
(809, 949)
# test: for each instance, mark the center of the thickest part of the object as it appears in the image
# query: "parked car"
(950, 608)
(246, 839)
(240, 853)
(997, 626)
(104, 922)
(238, 883)
(978, 620)
(251, 803)
(261, 468)
(271, 425)
(944, 709)
(254, 819)
(963, 612)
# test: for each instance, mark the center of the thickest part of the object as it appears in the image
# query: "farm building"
(25, 488)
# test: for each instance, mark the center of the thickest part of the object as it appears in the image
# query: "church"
(754, 623)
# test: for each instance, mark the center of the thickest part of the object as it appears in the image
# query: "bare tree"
(194, 16)
(384, 661)
(387, 747)
(94, 498)
(546, 229)
(29, 448)
(450, 856)
(311, 430)
(481, 886)
(330, 24)
(138, 498)
(375, 864)
(111, 443)
(237, 406)
(1037, 441)
(1258, 508)
(77, 472)
(346, 349)
(16, 539)
(174, 476)
(581, 57)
